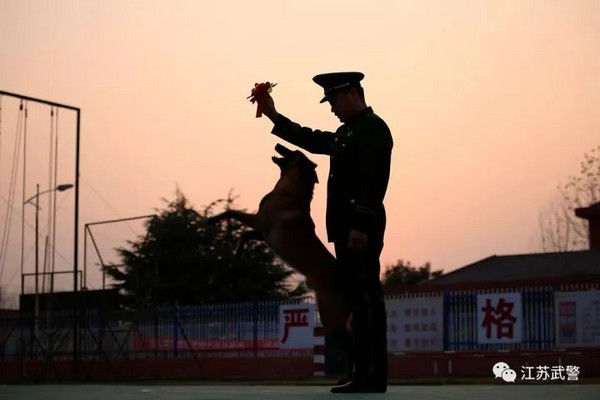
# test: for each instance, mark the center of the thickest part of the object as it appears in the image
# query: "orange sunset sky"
(492, 105)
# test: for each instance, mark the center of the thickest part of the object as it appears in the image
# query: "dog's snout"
(284, 151)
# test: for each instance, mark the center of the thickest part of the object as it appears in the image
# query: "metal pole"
(53, 262)
(85, 235)
(76, 254)
(50, 103)
(37, 299)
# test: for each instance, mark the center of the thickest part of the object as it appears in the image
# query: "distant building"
(592, 214)
(532, 269)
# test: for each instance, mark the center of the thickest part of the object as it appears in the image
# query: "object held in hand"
(258, 94)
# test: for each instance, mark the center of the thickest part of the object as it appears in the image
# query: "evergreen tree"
(183, 260)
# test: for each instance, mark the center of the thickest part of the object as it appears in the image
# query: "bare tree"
(560, 229)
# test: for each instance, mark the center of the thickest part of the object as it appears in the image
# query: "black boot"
(349, 371)
(369, 353)
(344, 341)
(358, 380)
(360, 386)
(343, 381)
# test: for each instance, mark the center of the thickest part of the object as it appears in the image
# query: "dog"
(284, 222)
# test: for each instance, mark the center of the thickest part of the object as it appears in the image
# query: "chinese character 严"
(293, 318)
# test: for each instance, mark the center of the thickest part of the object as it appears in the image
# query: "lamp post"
(59, 188)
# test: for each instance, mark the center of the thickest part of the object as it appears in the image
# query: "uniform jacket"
(360, 153)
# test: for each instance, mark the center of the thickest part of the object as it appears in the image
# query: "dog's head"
(294, 159)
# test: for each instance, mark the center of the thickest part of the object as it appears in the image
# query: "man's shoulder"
(374, 130)
(372, 120)
(376, 118)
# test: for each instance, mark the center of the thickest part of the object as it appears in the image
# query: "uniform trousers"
(363, 288)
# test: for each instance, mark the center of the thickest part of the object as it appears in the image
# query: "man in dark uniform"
(360, 153)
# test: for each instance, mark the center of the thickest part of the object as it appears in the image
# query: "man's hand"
(269, 107)
(358, 240)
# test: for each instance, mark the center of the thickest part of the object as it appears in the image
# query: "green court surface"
(257, 392)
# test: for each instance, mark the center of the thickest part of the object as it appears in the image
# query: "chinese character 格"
(500, 316)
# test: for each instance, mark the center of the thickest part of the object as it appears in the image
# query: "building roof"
(528, 267)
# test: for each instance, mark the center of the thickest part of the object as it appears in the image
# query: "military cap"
(333, 81)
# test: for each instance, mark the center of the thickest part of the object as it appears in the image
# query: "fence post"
(175, 331)
(446, 311)
(319, 350)
(255, 327)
